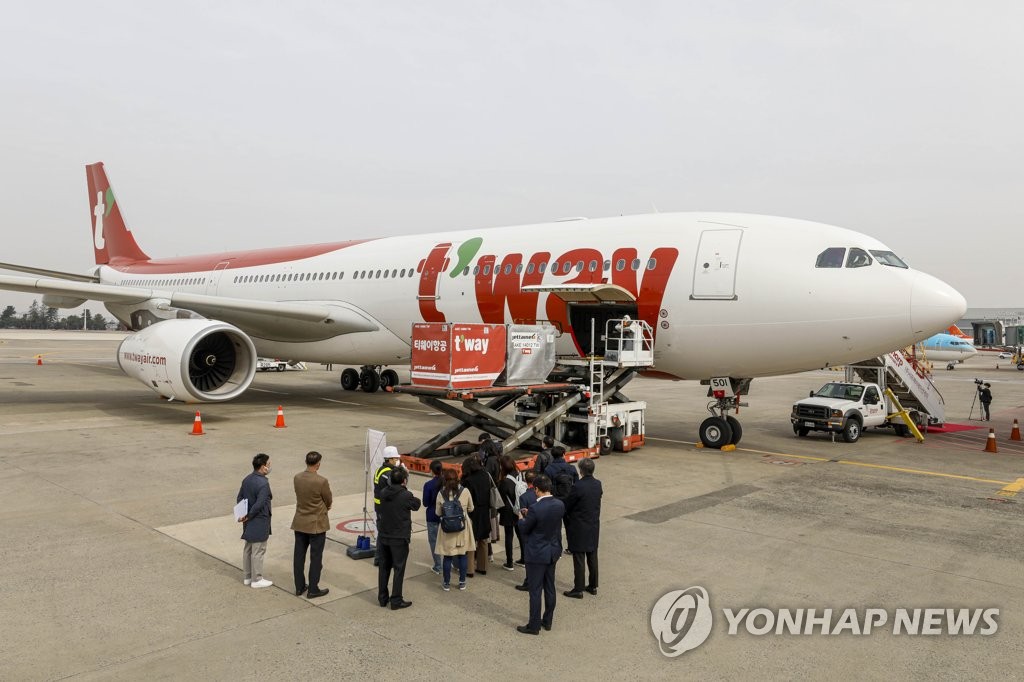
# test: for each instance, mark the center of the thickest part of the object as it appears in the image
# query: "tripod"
(982, 414)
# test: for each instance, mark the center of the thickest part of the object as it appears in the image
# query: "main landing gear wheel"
(350, 379)
(369, 380)
(715, 432)
(388, 378)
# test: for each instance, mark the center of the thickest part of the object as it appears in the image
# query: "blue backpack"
(453, 518)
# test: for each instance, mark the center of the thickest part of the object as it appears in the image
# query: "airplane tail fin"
(112, 241)
(956, 331)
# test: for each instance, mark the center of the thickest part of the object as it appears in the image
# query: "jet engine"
(192, 360)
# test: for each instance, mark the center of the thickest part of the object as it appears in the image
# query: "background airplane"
(947, 348)
(728, 295)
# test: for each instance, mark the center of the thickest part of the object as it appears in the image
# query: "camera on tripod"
(978, 383)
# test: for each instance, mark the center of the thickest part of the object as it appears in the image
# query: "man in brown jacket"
(312, 502)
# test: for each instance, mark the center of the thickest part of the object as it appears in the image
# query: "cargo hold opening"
(590, 307)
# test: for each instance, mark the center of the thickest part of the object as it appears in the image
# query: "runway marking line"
(919, 472)
(393, 407)
(1012, 489)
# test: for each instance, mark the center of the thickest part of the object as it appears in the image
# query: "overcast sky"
(252, 124)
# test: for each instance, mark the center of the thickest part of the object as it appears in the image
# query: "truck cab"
(841, 407)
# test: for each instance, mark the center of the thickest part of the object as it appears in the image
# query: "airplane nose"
(934, 305)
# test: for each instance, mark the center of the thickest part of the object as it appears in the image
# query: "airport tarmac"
(121, 560)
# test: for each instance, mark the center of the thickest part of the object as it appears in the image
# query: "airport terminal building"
(994, 326)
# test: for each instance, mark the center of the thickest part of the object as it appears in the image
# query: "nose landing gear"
(721, 428)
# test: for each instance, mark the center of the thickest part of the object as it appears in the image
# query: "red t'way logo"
(498, 285)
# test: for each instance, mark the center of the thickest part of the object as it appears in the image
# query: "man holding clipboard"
(253, 512)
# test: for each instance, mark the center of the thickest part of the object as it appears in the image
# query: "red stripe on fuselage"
(235, 259)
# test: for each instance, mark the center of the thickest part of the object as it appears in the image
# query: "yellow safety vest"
(376, 479)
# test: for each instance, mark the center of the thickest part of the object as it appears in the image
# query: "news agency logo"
(681, 620)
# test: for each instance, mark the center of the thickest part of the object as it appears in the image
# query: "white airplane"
(728, 295)
(947, 348)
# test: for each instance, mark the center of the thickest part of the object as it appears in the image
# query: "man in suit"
(541, 528)
(312, 502)
(393, 536)
(256, 523)
(582, 527)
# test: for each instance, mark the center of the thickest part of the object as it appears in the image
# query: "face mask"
(269, 468)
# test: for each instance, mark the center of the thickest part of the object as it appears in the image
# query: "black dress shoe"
(300, 590)
(546, 626)
(523, 588)
(525, 629)
(383, 603)
(481, 572)
(592, 590)
(575, 594)
(313, 594)
(400, 605)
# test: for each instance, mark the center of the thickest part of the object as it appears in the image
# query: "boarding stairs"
(912, 387)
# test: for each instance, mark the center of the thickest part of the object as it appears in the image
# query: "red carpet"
(953, 428)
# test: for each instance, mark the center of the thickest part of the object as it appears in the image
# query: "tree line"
(44, 317)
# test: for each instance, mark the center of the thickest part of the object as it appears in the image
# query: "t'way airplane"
(728, 295)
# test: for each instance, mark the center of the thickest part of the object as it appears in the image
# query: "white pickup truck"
(844, 408)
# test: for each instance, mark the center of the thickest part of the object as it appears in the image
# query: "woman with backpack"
(508, 486)
(476, 480)
(453, 544)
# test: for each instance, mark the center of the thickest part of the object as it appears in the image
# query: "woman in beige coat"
(453, 546)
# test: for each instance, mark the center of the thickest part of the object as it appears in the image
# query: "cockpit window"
(831, 257)
(888, 258)
(858, 258)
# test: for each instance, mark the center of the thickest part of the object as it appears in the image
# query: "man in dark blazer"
(541, 529)
(313, 500)
(393, 536)
(582, 528)
(256, 523)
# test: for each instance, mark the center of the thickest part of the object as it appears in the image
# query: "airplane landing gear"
(721, 428)
(350, 379)
(369, 378)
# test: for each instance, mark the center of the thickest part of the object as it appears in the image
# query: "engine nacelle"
(190, 360)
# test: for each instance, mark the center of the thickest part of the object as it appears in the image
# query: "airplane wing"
(337, 317)
(57, 274)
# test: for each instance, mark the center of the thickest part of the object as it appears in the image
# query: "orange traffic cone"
(197, 425)
(990, 443)
(279, 424)
(1015, 433)
(39, 360)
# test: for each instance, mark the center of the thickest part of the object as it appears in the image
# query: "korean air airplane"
(728, 295)
(947, 348)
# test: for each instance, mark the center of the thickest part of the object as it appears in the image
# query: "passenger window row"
(557, 268)
(176, 282)
(561, 268)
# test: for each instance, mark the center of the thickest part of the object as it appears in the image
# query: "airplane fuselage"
(728, 294)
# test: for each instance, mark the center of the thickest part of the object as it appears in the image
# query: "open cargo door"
(589, 308)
